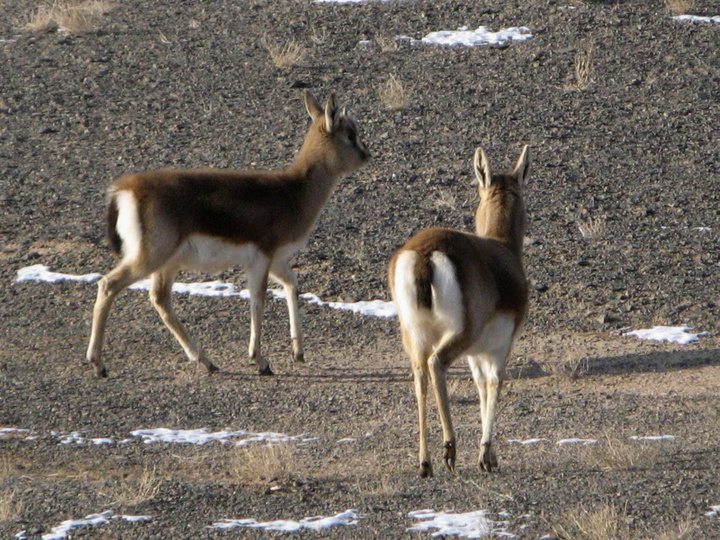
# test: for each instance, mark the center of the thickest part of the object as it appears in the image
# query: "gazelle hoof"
(300, 358)
(266, 371)
(426, 470)
(449, 455)
(488, 461)
(211, 368)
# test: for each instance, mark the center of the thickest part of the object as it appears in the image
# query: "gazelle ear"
(313, 106)
(331, 113)
(522, 167)
(482, 169)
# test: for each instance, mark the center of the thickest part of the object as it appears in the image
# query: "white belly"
(210, 254)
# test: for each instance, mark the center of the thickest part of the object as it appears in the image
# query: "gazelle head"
(333, 138)
(501, 212)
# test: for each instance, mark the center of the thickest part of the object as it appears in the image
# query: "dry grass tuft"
(10, 507)
(394, 94)
(584, 69)
(71, 16)
(605, 523)
(262, 463)
(386, 43)
(571, 366)
(284, 55)
(592, 228)
(614, 454)
(679, 7)
(681, 531)
(319, 36)
(132, 491)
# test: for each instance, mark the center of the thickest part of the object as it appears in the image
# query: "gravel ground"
(623, 205)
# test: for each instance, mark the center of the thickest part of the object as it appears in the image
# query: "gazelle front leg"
(281, 271)
(257, 275)
(489, 383)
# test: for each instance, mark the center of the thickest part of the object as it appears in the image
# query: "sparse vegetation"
(10, 507)
(68, 16)
(584, 68)
(386, 43)
(615, 454)
(592, 228)
(679, 7)
(394, 94)
(284, 55)
(570, 365)
(262, 463)
(604, 523)
(134, 491)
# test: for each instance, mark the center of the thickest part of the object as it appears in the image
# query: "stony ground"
(623, 202)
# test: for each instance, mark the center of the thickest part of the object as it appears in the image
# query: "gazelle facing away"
(210, 220)
(460, 294)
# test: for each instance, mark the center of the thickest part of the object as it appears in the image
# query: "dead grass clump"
(133, 491)
(71, 16)
(394, 94)
(571, 366)
(284, 55)
(592, 228)
(605, 523)
(10, 507)
(613, 454)
(681, 531)
(584, 69)
(386, 43)
(679, 7)
(258, 464)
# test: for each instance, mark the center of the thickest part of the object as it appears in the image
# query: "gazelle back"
(162, 221)
(459, 294)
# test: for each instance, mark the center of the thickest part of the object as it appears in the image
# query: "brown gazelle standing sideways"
(210, 220)
(459, 294)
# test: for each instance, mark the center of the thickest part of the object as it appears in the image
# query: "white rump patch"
(128, 224)
(447, 296)
(405, 293)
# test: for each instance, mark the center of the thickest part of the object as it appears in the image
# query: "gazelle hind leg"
(160, 296)
(281, 271)
(118, 279)
(438, 364)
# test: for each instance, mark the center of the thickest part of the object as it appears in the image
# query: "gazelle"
(459, 294)
(210, 220)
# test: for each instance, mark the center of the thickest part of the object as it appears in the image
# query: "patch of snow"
(8, 431)
(346, 518)
(527, 441)
(673, 334)
(697, 19)
(203, 436)
(479, 37)
(345, 440)
(563, 442)
(467, 525)
(76, 438)
(61, 531)
(39, 272)
(654, 438)
(375, 308)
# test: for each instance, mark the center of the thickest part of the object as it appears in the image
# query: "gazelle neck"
(501, 216)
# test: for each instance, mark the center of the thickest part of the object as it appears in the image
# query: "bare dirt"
(189, 84)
